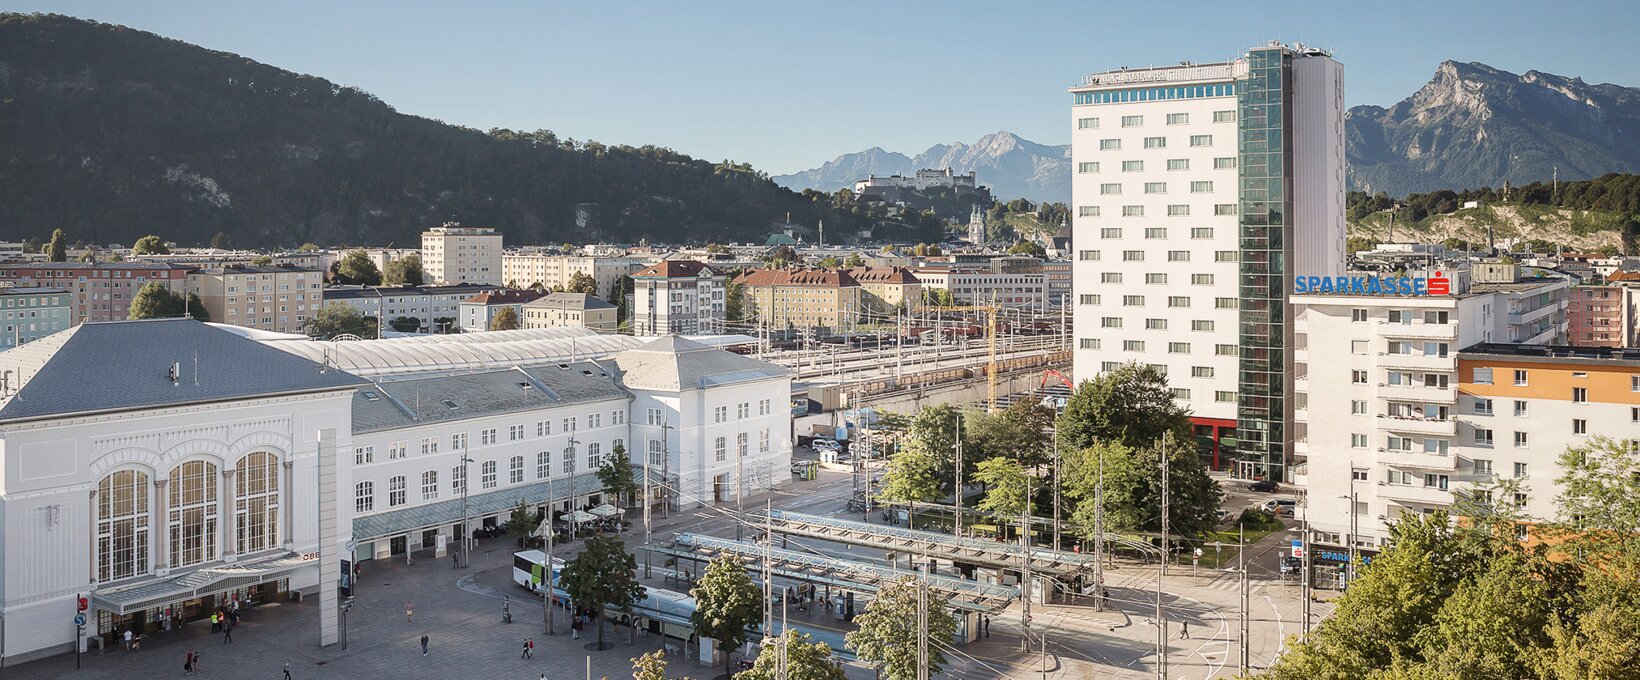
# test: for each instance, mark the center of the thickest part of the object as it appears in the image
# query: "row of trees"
(1614, 192)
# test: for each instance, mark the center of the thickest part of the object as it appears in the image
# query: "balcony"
(1414, 493)
(1418, 362)
(1421, 331)
(1418, 393)
(1430, 426)
(1517, 318)
(1417, 459)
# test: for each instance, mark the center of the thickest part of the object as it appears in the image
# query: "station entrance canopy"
(943, 546)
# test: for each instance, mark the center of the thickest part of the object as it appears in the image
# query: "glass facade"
(1155, 94)
(1265, 251)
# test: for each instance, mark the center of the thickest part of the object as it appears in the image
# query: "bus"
(529, 569)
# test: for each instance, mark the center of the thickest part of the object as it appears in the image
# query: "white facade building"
(1179, 265)
(425, 303)
(525, 269)
(451, 253)
(678, 296)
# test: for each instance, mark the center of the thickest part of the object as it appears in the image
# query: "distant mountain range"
(1471, 126)
(1012, 166)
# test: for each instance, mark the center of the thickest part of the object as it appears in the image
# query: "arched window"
(364, 496)
(429, 485)
(740, 445)
(395, 491)
(256, 502)
(458, 479)
(487, 474)
(193, 501)
(122, 525)
(543, 465)
(515, 470)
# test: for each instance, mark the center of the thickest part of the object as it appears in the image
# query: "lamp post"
(466, 533)
(1349, 569)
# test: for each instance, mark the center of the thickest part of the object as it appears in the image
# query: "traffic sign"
(79, 619)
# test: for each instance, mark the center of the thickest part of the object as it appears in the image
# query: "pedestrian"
(188, 663)
(526, 653)
(128, 639)
(575, 628)
(216, 623)
(227, 634)
(424, 644)
(287, 669)
(197, 668)
(1184, 630)
(407, 611)
(455, 562)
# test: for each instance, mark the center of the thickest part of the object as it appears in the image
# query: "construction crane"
(990, 347)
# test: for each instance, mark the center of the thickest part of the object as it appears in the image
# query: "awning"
(198, 583)
(578, 517)
(606, 510)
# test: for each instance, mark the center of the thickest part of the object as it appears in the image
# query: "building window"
(1088, 255)
(458, 479)
(122, 525)
(1089, 343)
(1155, 142)
(1520, 378)
(1205, 325)
(1133, 166)
(1201, 371)
(256, 502)
(364, 496)
(569, 460)
(429, 485)
(1580, 395)
(1156, 278)
(487, 474)
(763, 440)
(1133, 211)
(458, 441)
(1178, 164)
(653, 416)
(192, 506)
(515, 433)
(1110, 277)
(1088, 299)
(1087, 211)
(1087, 167)
(1155, 233)
(1201, 232)
(543, 428)
(1201, 279)
(1133, 300)
(1358, 377)
(595, 456)
(1156, 324)
(1111, 322)
(1133, 345)
(1110, 144)
(486, 437)
(1087, 123)
(1178, 119)
(1224, 397)
(1180, 393)
(1201, 187)
(515, 470)
(1155, 187)
(395, 491)
(1133, 256)
(1520, 440)
(1483, 407)
(1358, 440)
(1520, 470)
(1227, 163)
(1226, 350)
(1358, 407)
(1224, 209)
(1178, 301)
(720, 449)
(1201, 140)
(720, 414)
(1580, 426)
(1224, 116)
(1178, 210)
(1178, 256)
(1110, 189)
(363, 455)
(398, 450)
(1520, 409)
(1133, 121)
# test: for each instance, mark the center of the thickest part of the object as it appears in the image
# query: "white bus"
(530, 566)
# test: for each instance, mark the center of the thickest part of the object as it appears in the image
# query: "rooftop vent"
(525, 386)
(372, 396)
(448, 403)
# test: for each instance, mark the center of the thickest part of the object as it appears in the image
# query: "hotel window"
(1155, 232)
(1089, 167)
(122, 525)
(1110, 144)
(1133, 256)
(1090, 343)
(1201, 325)
(1155, 187)
(1201, 187)
(1224, 209)
(1133, 211)
(1358, 407)
(1180, 393)
(1178, 164)
(364, 496)
(1087, 123)
(1226, 350)
(1225, 303)
(486, 474)
(1133, 121)
(1178, 301)
(1133, 345)
(1228, 163)
(1358, 440)
(1156, 324)
(1201, 232)
(429, 485)
(1358, 377)
(1580, 395)
(1178, 210)
(1111, 322)
(1155, 142)
(1178, 256)
(395, 491)
(1133, 300)
(1133, 166)
(1520, 378)
(1201, 140)
(1201, 279)
(1224, 397)
(1110, 277)
(1520, 440)
(1520, 409)
(1089, 299)
(1156, 278)
(1179, 348)
(1087, 211)
(720, 449)
(1580, 426)
(1178, 119)
(1110, 189)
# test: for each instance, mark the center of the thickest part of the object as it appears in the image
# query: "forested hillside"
(1597, 214)
(112, 133)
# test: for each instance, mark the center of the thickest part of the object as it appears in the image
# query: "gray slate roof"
(673, 363)
(125, 365)
(404, 403)
(569, 301)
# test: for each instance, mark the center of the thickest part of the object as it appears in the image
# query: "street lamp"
(1349, 569)
(466, 533)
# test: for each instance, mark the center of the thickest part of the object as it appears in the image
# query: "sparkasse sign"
(1374, 285)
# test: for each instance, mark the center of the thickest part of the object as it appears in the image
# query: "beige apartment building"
(885, 290)
(526, 269)
(451, 253)
(571, 309)
(271, 298)
(801, 298)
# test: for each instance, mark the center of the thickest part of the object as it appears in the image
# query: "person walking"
(197, 669)
(128, 639)
(287, 669)
(227, 634)
(1184, 630)
(575, 628)
(424, 644)
(408, 611)
(526, 653)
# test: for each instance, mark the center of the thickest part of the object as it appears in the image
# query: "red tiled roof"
(882, 275)
(827, 278)
(1624, 276)
(674, 268)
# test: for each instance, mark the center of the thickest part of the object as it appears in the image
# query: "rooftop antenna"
(175, 374)
(196, 368)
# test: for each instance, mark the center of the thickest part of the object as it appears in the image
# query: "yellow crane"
(990, 312)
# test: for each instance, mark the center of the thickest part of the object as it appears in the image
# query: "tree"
(221, 241)
(830, 262)
(734, 306)
(261, 261)
(357, 267)
(805, 660)
(1131, 404)
(522, 522)
(582, 282)
(1027, 248)
(854, 260)
(726, 603)
(603, 575)
(1007, 488)
(937, 297)
(338, 318)
(505, 319)
(194, 307)
(149, 245)
(88, 257)
(1019, 432)
(405, 271)
(307, 248)
(405, 324)
(1133, 491)
(155, 301)
(616, 475)
(912, 476)
(57, 248)
(651, 666)
(888, 632)
(933, 432)
(1600, 487)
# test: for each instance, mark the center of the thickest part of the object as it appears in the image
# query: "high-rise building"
(1199, 191)
(451, 253)
(678, 296)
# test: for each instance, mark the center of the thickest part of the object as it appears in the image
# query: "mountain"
(1012, 166)
(1473, 125)
(112, 133)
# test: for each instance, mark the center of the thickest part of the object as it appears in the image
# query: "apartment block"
(451, 253)
(526, 269)
(478, 312)
(98, 291)
(571, 309)
(28, 314)
(678, 297)
(1602, 316)
(884, 290)
(826, 299)
(270, 298)
(435, 308)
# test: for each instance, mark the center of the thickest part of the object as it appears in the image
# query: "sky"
(786, 86)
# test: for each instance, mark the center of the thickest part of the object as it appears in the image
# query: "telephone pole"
(1241, 567)
(1056, 489)
(1304, 547)
(957, 488)
(648, 498)
(466, 533)
(1025, 570)
(1167, 552)
(548, 598)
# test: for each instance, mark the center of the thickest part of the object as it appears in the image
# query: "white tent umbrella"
(606, 510)
(579, 517)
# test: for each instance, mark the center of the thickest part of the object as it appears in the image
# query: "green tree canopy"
(616, 475)
(830, 262)
(933, 432)
(307, 248)
(734, 307)
(339, 318)
(726, 603)
(222, 241)
(88, 257)
(357, 267)
(1020, 432)
(1600, 487)
(404, 271)
(405, 324)
(149, 245)
(805, 660)
(155, 301)
(521, 522)
(888, 632)
(1027, 248)
(1133, 495)
(505, 319)
(1008, 488)
(854, 260)
(261, 261)
(1131, 404)
(938, 297)
(913, 477)
(582, 282)
(57, 248)
(603, 575)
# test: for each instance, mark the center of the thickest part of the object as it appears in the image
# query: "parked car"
(825, 444)
(1281, 506)
(1264, 485)
(1291, 565)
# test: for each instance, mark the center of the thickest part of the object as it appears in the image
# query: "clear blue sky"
(786, 85)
